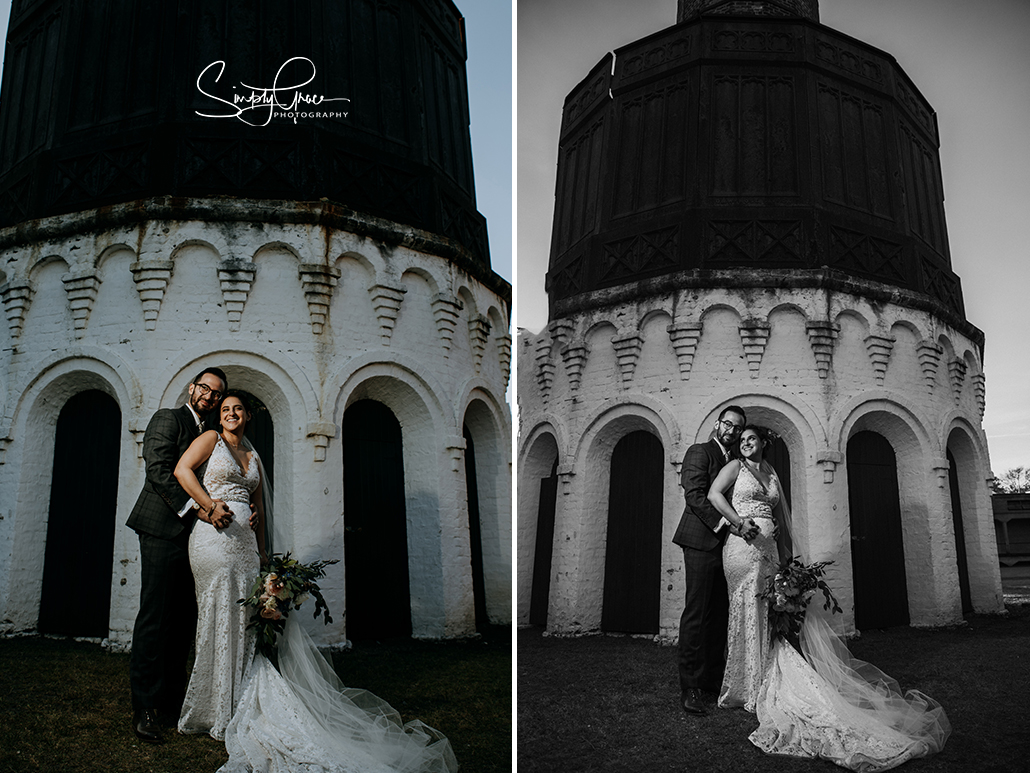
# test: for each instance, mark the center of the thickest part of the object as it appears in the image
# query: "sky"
(969, 59)
(488, 30)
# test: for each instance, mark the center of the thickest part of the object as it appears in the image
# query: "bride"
(297, 718)
(820, 702)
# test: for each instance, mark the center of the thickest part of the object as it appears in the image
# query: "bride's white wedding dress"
(821, 702)
(302, 719)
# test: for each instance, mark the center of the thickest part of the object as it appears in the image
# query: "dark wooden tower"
(749, 145)
(100, 104)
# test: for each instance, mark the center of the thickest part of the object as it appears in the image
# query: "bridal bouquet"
(283, 584)
(789, 591)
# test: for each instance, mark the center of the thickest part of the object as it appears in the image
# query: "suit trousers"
(165, 625)
(702, 639)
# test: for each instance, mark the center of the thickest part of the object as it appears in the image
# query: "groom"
(163, 517)
(701, 533)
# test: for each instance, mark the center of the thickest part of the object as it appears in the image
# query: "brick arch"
(35, 417)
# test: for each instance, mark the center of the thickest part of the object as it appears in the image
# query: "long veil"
(835, 706)
(302, 717)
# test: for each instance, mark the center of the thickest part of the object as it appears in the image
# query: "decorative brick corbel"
(318, 281)
(560, 330)
(980, 391)
(4, 442)
(321, 432)
(879, 349)
(627, 352)
(445, 311)
(942, 467)
(828, 460)
(82, 292)
(575, 358)
(479, 332)
(236, 278)
(151, 277)
(754, 335)
(930, 355)
(685, 337)
(822, 337)
(16, 295)
(504, 355)
(137, 435)
(545, 368)
(957, 374)
(565, 477)
(386, 301)
(456, 451)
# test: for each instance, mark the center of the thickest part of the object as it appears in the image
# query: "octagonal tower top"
(807, 9)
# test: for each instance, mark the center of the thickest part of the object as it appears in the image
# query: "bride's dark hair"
(765, 434)
(243, 397)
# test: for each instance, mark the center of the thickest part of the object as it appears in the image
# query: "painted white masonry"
(307, 317)
(816, 366)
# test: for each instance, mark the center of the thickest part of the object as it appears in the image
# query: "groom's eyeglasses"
(729, 426)
(205, 390)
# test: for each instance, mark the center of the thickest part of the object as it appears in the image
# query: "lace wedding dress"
(299, 720)
(747, 565)
(821, 702)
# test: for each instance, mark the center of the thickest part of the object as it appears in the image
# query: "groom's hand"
(221, 515)
(749, 529)
(253, 518)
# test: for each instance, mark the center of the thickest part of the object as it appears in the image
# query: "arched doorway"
(81, 522)
(877, 546)
(633, 551)
(541, 589)
(960, 538)
(375, 523)
(475, 532)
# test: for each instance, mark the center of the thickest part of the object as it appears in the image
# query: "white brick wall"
(317, 318)
(813, 365)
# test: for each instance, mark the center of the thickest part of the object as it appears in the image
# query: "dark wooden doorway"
(543, 546)
(778, 455)
(81, 522)
(475, 532)
(960, 538)
(375, 523)
(633, 552)
(877, 546)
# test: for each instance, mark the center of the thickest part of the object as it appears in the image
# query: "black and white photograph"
(771, 457)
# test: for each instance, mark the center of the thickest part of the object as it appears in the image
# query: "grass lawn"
(610, 703)
(65, 705)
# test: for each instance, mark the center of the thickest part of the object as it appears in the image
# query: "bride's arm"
(185, 472)
(717, 494)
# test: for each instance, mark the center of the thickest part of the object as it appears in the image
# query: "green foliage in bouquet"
(283, 584)
(789, 590)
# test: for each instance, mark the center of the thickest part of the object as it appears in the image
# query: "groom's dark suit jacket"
(697, 525)
(169, 434)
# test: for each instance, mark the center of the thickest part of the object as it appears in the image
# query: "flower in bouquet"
(789, 592)
(281, 586)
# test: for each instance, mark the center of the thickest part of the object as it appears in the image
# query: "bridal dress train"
(300, 718)
(821, 702)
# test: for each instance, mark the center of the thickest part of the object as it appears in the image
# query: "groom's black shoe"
(692, 703)
(146, 726)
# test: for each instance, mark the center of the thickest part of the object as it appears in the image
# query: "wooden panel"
(633, 552)
(542, 551)
(475, 532)
(376, 543)
(877, 549)
(960, 538)
(81, 523)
